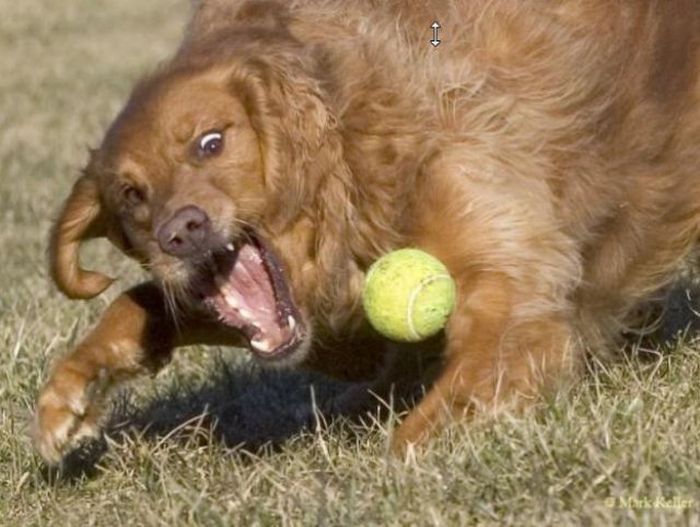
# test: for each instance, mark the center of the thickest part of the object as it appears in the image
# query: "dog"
(547, 152)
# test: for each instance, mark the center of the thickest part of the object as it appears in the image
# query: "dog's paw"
(410, 435)
(66, 414)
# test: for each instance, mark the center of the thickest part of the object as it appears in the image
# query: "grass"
(605, 452)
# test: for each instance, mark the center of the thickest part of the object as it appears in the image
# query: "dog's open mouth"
(244, 285)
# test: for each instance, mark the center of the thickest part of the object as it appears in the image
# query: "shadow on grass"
(238, 405)
(258, 410)
(242, 405)
(670, 321)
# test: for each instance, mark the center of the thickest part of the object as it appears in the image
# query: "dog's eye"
(133, 196)
(210, 144)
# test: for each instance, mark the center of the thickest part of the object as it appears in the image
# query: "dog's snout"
(186, 233)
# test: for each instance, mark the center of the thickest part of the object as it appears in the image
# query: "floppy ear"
(296, 128)
(81, 218)
(305, 169)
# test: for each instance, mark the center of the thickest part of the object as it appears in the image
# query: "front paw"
(67, 412)
(411, 434)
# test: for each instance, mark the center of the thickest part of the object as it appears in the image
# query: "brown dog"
(547, 152)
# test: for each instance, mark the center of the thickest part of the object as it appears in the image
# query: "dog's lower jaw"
(291, 359)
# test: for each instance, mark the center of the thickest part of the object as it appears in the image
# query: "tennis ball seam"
(414, 295)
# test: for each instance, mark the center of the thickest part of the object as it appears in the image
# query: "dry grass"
(603, 453)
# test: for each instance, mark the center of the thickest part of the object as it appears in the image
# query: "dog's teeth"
(230, 247)
(245, 313)
(261, 345)
(233, 302)
(291, 322)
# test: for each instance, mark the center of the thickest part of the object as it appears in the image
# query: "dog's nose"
(186, 233)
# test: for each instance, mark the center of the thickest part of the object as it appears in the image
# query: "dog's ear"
(81, 218)
(305, 169)
(297, 130)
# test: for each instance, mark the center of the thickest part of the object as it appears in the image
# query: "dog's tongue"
(244, 297)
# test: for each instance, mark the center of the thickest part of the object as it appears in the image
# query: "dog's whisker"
(170, 304)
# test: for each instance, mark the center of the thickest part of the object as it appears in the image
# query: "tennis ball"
(408, 295)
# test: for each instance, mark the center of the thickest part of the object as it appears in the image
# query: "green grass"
(629, 431)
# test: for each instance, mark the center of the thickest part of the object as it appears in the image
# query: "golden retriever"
(547, 152)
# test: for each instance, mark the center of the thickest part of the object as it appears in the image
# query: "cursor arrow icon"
(436, 34)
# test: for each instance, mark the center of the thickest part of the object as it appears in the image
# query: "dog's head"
(224, 176)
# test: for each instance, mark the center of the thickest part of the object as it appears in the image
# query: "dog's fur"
(547, 152)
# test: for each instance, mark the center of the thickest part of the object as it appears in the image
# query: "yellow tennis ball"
(408, 295)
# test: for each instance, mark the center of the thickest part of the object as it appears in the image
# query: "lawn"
(620, 447)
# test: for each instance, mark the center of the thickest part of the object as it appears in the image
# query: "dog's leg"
(511, 332)
(135, 335)
(492, 361)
